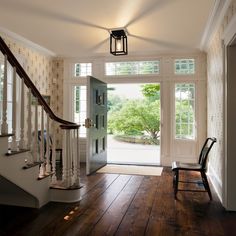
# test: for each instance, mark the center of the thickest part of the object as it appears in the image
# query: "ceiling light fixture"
(118, 42)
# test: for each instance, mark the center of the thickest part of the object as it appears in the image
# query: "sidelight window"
(185, 111)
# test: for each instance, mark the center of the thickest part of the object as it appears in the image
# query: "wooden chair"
(197, 167)
(59, 150)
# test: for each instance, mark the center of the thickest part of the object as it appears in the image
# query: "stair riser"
(11, 169)
(3, 145)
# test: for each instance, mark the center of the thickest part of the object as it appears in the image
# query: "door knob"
(88, 123)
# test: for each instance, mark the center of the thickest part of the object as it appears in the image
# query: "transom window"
(132, 68)
(83, 69)
(185, 111)
(184, 66)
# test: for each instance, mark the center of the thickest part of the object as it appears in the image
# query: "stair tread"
(45, 176)
(6, 135)
(10, 153)
(30, 165)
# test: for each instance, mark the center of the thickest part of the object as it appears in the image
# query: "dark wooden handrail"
(23, 75)
(69, 126)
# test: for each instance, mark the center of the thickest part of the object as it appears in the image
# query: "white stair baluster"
(29, 133)
(35, 151)
(4, 126)
(42, 160)
(22, 117)
(14, 146)
(48, 165)
(54, 177)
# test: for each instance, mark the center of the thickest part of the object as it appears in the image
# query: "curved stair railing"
(40, 120)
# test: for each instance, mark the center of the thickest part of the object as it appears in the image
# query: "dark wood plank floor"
(124, 205)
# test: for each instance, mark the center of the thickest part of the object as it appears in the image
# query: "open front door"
(96, 124)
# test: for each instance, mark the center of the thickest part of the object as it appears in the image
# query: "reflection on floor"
(114, 204)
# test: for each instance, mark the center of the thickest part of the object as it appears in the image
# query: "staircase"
(29, 174)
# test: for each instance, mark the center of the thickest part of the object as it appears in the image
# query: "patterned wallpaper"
(46, 73)
(215, 93)
(215, 102)
(57, 94)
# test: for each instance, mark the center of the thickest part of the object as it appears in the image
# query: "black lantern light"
(118, 42)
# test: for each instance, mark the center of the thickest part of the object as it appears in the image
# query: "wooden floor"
(124, 205)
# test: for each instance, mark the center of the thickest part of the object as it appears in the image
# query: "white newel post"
(70, 160)
(42, 166)
(70, 157)
(76, 158)
(64, 147)
(22, 117)
(66, 159)
(14, 146)
(54, 177)
(48, 165)
(4, 126)
(35, 151)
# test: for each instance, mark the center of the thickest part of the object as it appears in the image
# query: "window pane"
(184, 111)
(132, 68)
(184, 66)
(80, 108)
(83, 69)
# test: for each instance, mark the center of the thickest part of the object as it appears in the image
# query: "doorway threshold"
(133, 163)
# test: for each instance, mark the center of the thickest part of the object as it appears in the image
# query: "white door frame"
(228, 37)
(166, 78)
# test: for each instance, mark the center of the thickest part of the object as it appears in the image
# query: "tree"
(114, 103)
(137, 117)
(151, 91)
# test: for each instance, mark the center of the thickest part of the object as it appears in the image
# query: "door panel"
(96, 124)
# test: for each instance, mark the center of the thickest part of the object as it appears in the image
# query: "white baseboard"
(216, 182)
(65, 195)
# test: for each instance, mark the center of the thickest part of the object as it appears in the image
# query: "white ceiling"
(74, 28)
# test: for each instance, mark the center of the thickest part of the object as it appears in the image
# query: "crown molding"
(230, 32)
(214, 20)
(7, 33)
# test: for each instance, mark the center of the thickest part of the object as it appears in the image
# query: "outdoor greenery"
(184, 110)
(141, 117)
(132, 68)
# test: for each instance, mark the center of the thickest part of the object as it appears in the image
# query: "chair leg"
(176, 182)
(206, 184)
(174, 179)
